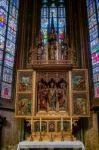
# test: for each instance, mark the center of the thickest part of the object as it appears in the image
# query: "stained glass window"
(55, 9)
(8, 30)
(93, 22)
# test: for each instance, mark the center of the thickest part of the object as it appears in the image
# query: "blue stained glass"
(59, 17)
(0, 71)
(3, 17)
(8, 64)
(44, 22)
(7, 75)
(95, 48)
(95, 59)
(10, 47)
(94, 42)
(89, 2)
(53, 11)
(96, 70)
(98, 15)
(55, 22)
(93, 29)
(9, 57)
(61, 0)
(15, 3)
(1, 42)
(61, 12)
(44, 12)
(92, 21)
(9, 60)
(96, 89)
(11, 35)
(91, 9)
(13, 11)
(44, 31)
(1, 56)
(2, 29)
(4, 4)
(6, 90)
(45, 41)
(96, 77)
(8, 24)
(12, 23)
(94, 35)
(96, 74)
(61, 33)
(44, 1)
(61, 22)
(97, 2)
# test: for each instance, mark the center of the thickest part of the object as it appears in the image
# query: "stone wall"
(10, 132)
(91, 134)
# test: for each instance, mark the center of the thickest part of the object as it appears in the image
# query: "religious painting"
(37, 126)
(66, 126)
(24, 81)
(23, 104)
(51, 126)
(52, 91)
(44, 126)
(79, 81)
(80, 104)
(80, 92)
(6, 90)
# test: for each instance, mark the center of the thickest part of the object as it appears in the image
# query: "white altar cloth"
(49, 144)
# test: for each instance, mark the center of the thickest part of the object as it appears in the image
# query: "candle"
(40, 124)
(61, 123)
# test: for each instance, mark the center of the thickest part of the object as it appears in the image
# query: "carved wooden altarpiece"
(51, 94)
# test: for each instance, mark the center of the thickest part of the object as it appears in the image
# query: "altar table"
(50, 144)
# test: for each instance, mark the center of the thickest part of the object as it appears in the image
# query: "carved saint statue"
(62, 87)
(42, 95)
(52, 95)
(40, 50)
(52, 51)
(52, 45)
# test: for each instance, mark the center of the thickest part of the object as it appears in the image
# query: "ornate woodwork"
(53, 92)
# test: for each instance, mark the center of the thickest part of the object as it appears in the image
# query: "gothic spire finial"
(52, 23)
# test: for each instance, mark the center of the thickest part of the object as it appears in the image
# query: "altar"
(52, 95)
(51, 144)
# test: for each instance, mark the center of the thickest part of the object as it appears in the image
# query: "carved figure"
(52, 95)
(42, 95)
(62, 94)
(52, 50)
(40, 50)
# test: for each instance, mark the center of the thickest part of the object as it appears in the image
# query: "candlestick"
(40, 124)
(31, 125)
(61, 123)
